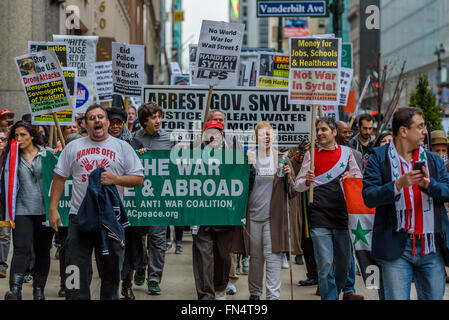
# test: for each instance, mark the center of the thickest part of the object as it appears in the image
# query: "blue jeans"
(350, 281)
(331, 245)
(427, 271)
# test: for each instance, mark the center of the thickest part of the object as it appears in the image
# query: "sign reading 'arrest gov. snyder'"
(244, 107)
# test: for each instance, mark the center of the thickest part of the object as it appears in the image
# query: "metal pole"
(280, 25)
(287, 189)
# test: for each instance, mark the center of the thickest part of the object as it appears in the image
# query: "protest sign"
(58, 47)
(180, 79)
(246, 72)
(330, 111)
(273, 69)
(103, 80)
(218, 53)
(244, 107)
(295, 27)
(314, 70)
(128, 68)
(43, 82)
(82, 53)
(345, 84)
(65, 117)
(198, 187)
(192, 59)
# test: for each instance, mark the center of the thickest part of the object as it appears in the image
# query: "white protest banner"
(244, 107)
(82, 53)
(175, 68)
(314, 70)
(66, 117)
(345, 84)
(272, 69)
(58, 47)
(218, 53)
(43, 82)
(128, 68)
(192, 59)
(103, 80)
(247, 68)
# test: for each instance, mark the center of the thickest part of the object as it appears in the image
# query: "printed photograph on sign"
(273, 69)
(314, 76)
(58, 47)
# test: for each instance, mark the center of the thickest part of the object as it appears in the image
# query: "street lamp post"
(337, 8)
(438, 52)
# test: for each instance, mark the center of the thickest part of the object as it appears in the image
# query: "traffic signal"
(378, 85)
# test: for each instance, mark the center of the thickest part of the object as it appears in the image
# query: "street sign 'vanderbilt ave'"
(291, 8)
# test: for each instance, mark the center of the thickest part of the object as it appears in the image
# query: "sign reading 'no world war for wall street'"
(65, 117)
(43, 82)
(244, 107)
(127, 68)
(314, 70)
(82, 53)
(199, 187)
(218, 53)
(59, 48)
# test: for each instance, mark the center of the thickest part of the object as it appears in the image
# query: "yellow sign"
(178, 16)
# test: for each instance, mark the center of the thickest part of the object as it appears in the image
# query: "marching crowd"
(405, 183)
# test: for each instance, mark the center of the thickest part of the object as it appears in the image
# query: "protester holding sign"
(79, 159)
(328, 216)
(267, 214)
(152, 137)
(22, 165)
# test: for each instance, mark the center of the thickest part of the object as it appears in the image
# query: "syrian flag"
(361, 221)
(11, 169)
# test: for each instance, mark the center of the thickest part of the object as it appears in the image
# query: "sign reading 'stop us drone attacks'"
(244, 107)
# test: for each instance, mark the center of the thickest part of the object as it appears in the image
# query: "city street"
(178, 283)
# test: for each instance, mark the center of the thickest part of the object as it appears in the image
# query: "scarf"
(11, 180)
(336, 169)
(416, 219)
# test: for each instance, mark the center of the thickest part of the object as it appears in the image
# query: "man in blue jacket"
(411, 225)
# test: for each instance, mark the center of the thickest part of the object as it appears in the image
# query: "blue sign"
(82, 95)
(292, 8)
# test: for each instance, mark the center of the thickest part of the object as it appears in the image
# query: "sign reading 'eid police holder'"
(292, 8)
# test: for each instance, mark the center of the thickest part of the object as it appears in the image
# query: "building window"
(322, 23)
(245, 39)
(245, 11)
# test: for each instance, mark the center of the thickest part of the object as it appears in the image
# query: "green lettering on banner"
(202, 187)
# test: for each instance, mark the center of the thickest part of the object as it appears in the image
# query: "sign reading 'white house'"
(291, 8)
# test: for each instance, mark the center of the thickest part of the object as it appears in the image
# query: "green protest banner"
(191, 187)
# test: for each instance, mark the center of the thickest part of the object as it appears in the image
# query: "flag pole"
(61, 137)
(209, 99)
(312, 151)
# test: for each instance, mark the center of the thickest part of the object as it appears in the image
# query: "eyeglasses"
(99, 116)
(3, 139)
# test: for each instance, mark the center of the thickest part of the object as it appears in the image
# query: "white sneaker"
(220, 295)
(285, 264)
(231, 289)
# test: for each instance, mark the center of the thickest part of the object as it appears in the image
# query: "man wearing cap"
(211, 246)
(6, 119)
(439, 143)
(133, 235)
(117, 128)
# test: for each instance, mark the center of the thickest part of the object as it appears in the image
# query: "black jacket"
(102, 210)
